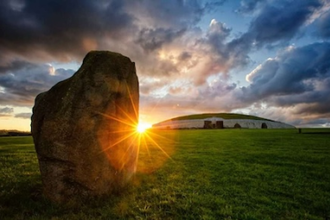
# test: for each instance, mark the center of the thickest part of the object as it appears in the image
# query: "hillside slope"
(217, 115)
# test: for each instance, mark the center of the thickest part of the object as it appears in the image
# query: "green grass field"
(212, 174)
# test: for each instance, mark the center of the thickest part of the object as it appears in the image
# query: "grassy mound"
(218, 115)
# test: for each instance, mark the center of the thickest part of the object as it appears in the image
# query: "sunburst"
(129, 140)
(142, 127)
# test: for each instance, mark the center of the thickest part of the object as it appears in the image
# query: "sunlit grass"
(211, 174)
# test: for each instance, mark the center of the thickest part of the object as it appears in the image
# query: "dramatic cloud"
(188, 56)
(59, 30)
(152, 39)
(160, 36)
(276, 22)
(298, 78)
(281, 20)
(20, 85)
(216, 96)
(249, 6)
(323, 25)
(65, 31)
(293, 86)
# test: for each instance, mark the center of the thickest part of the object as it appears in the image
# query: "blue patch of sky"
(227, 13)
(70, 65)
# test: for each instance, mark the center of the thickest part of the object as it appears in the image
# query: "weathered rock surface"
(83, 129)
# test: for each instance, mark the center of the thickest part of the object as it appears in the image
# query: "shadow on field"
(25, 200)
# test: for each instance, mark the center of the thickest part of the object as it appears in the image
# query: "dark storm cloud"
(21, 85)
(323, 25)
(172, 13)
(249, 6)
(57, 26)
(152, 39)
(298, 77)
(174, 56)
(280, 20)
(66, 30)
(14, 66)
(33, 32)
(276, 22)
(168, 21)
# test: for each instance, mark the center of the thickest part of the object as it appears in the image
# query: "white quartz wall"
(248, 123)
(227, 123)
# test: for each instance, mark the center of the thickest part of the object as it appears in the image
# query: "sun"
(142, 127)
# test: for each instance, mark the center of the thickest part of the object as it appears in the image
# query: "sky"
(269, 58)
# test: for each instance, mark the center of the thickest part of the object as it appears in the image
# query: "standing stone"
(83, 129)
(207, 124)
(219, 124)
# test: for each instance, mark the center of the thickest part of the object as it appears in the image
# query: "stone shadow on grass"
(25, 200)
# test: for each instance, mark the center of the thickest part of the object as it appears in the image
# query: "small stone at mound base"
(82, 129)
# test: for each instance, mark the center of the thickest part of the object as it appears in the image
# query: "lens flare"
(129, 145)
(142, 127)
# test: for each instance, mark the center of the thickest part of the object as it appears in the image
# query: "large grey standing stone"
(83, 129)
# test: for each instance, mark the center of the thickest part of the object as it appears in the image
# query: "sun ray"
(130, 96)
(123, 131)
(117, 119)
(158, 146)
(145, 143)
(124, 155)
(135, 136)
(138, 149)
(127, 115)
(120, 140)
(160, 136)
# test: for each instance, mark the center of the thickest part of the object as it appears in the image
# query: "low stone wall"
(227, 123)
(248, 123)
